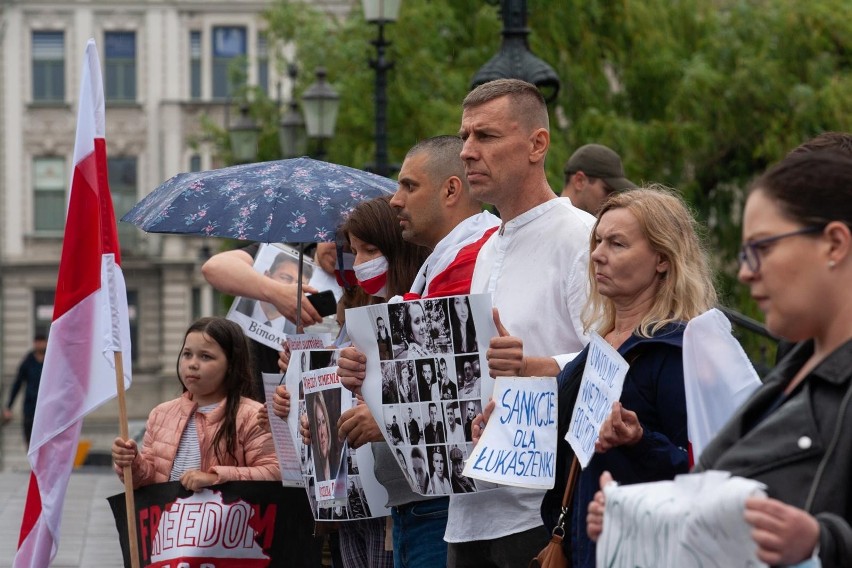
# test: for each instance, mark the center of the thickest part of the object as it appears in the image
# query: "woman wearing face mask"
(385, 264)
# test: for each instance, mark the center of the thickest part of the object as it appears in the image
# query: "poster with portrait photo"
(261, 320)
(439, 478)
(354, 465)
(393, 424)
(470, 409)
(411, 330)
(445, 367)
(461, 324)
(458, 454)
(407, 385)
(439, 325)
(453, 427)
(390, 383)
(427, 379)
(424, 353)
(412, 421)
(468, 376)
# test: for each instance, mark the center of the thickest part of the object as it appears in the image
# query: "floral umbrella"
(299, 200)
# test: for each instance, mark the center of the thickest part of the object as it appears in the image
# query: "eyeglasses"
(751, 251)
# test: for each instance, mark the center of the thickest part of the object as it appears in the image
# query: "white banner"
(603, 379)
(694, 521)
(518, 446)
(427, 377)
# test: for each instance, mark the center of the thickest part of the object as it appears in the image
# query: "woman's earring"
(831, 264)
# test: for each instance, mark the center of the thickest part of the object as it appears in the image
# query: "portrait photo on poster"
(259, 319)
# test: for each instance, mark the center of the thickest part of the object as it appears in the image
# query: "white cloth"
(717, 377)
(468, 231)
(535, 268)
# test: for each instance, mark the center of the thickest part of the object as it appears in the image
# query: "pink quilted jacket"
(255, 452)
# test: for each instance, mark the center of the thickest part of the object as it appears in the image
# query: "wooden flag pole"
(129, 501)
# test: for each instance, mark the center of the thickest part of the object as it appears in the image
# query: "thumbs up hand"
(505, 353)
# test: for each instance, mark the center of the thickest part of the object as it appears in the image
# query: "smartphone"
(324, 303)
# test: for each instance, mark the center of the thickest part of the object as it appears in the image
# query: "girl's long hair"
(238, 379)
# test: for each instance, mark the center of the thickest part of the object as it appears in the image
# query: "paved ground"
(89, 538)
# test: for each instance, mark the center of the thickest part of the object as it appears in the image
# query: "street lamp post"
(320, 102)
(291, 130)
(515, 60)
(381, 12)
(243, 137)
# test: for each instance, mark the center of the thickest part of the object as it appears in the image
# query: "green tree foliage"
(699, 95)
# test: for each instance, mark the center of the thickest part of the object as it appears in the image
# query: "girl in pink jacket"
(209, 435)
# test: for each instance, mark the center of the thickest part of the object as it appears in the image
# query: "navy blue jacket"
(653, 389)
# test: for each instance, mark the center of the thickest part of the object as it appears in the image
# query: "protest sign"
(518, 446)
(426, 379)
(356, 493)
(603, 378)
(695, 520)
(285, 445)
(238, 525)
(261, 320)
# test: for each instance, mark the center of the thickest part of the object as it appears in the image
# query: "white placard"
(426, 378)
(694, 521)
(518, 446)
(603, 378)
(260, 320)
(282, 436)
(360, 496)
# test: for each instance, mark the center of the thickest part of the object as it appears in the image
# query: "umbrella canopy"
(299, 200)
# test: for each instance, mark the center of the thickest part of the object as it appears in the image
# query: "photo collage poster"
(353, 493)
(260, 320)
(427, 378)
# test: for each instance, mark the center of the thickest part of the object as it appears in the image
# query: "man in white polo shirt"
(535, 268)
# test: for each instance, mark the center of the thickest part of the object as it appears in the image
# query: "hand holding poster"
(424, 382)
(261, 320)
(603, 378)
(695, 520)
(518, 446)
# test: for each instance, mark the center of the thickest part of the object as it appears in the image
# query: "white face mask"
(373, 276)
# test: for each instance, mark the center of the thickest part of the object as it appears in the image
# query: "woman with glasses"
(795, 433)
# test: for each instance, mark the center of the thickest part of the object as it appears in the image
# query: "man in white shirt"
(535, 268)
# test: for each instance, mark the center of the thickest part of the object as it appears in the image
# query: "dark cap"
(596, 160)
(456, 455)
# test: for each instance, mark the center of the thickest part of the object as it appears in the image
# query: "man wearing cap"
(461, 484)
(592, 174)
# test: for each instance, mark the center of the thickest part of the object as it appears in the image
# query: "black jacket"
(802, 449)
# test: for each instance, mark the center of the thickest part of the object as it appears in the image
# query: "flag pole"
(129, 501)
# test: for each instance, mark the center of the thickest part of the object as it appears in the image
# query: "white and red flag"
(90, 324)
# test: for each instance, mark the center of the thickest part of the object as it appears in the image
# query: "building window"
(49, 182)
(122, 185)
(120, 66)
(48, 66)
(263, 63)
(195, 163)
(195, 65)
(229, 53)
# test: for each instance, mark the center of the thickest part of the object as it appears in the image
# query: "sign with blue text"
(601, 386)
(518, 446)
